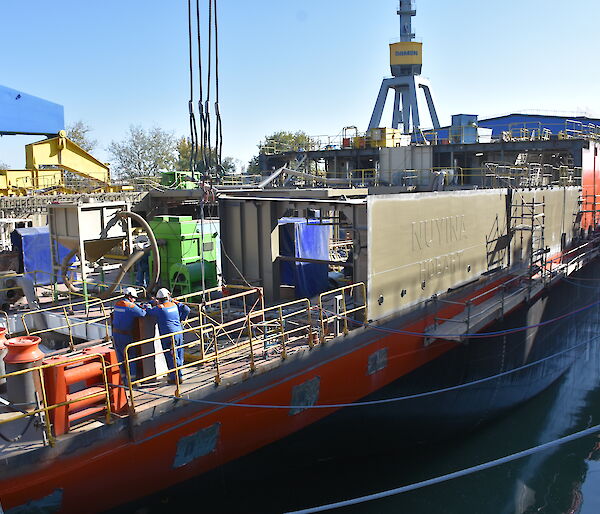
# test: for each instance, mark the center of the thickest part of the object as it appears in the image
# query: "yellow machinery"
(48, 166)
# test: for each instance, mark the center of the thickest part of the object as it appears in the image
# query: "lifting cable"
(219, 125)
(205, 142)
(193, 128)
(202, 141)
(456, 474)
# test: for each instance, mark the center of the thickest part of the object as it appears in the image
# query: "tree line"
(146, 152)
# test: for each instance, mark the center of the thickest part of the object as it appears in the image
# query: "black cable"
(219, 127)
(208, 84)
(193, 131)
(202, 140)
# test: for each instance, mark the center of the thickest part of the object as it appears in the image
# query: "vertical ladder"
(530, 217)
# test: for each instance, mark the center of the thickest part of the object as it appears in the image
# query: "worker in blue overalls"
(124, 315)
(169, 314)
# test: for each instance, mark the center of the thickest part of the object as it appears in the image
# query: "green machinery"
(177, 180)
(183, 254)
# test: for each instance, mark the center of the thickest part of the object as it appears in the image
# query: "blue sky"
(312, 65)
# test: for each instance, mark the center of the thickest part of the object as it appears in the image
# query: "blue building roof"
(554, 124)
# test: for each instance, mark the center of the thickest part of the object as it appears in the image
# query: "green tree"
(184, 149)
(78, 133)
(285, 141)
(282, 141)
(253, 167)
(143, 153)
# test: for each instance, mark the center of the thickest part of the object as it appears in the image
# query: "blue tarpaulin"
(309, 240)
(33, 244)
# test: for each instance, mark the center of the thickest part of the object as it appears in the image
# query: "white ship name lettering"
(438, 231)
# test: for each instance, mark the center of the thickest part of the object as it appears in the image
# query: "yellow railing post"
(107, 337)
(106, 390)
(311, 343)
(282, 331)
(250, 341)
(47, 427)
(344, 313)
(128, 373)
(175, 366)
(322, 322)
(71, 343)
(201, 321)
(25, 324)
(218, 375)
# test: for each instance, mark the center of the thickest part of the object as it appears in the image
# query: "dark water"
(562, 480)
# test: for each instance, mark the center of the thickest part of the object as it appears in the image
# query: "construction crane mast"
(406, 60)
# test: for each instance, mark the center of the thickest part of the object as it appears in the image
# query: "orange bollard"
(23, 350)
(22, 353)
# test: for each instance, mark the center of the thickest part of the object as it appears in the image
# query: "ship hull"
(128, 461)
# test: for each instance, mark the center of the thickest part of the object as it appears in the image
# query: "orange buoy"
(23, 350)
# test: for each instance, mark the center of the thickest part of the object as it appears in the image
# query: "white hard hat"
(130, 291)
(163, 292)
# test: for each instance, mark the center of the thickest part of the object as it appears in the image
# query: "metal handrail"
(65, 313)
(254, 331)
(343, 314)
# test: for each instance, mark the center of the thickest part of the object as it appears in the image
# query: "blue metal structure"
(569, 125)
(21, 113)
(405, 64)
(533, 126)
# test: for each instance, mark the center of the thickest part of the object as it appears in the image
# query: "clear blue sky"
(312, 65)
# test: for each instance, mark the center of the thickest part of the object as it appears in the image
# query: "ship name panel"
(425, 243)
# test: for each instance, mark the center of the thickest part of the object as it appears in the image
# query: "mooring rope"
(453, 475)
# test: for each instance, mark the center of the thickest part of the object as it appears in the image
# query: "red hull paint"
(590, 182)
(121, 470)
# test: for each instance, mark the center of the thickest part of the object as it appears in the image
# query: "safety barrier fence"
(490, 176)
(230, 347)
(233, 345)
(337, 306)
(502, 293)
(518, 131)
(514, 286)
(70, 324)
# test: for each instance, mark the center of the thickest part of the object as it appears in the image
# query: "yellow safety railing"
(234, 342)
(62, 309)
(45, 407)
(212, 294)
(339, 306)
(366, 176)
(246, 300)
